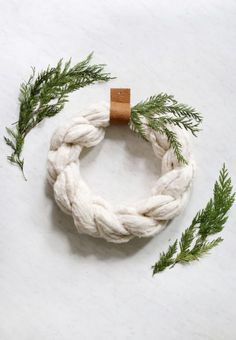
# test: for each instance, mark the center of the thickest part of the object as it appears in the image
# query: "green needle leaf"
(160, 112)
(166, 259)
(44, 95)
(194, 242)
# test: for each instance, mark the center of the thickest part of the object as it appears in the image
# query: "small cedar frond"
(45, 94)
(158, 113)
(194, 242)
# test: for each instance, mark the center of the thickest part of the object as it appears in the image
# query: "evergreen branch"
(194, 241)
(175, 144)
(44, 95)
(160, 112)
(166, 259)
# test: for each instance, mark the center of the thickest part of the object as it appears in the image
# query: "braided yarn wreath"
(93, 215)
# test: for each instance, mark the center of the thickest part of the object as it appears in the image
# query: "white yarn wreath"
(93, 215)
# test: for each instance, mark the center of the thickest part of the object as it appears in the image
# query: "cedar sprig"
(159, 113)
(45, 94)
(194, 242)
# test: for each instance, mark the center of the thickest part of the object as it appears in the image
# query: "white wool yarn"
(93, 215)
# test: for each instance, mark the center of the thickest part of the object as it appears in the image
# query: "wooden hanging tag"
(120, 109)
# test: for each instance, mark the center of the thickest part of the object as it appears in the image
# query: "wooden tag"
(120, 109)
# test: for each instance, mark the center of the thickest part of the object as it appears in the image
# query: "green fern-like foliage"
(194, 242)
(45, 94)
(159, 113)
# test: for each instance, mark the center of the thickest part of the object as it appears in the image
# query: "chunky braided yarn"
(93, 215)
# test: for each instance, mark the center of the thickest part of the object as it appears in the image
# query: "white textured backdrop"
(55, 284)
